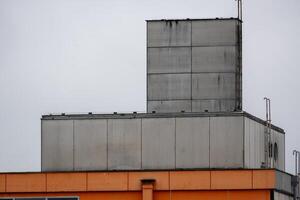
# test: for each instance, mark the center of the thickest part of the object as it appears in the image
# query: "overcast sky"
(90, 56)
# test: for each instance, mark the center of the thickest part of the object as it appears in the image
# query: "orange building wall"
(161, 195)
(131, 181)
(168, 185)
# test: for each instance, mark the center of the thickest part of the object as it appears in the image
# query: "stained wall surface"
(145, 143)
(254, 141)
(194, 65)
(281, 196)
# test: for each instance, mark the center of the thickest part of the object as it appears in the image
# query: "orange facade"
(159, 195)
(159, 185)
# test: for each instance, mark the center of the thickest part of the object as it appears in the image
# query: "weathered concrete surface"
(57, 145)
(194, 60)
(90, 139)
(156, 141)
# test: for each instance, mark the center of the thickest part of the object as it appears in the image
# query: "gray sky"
(87, 55)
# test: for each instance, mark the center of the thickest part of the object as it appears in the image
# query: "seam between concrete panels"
(141, 146)
(191, 67)
(141, 143)
(244, 147)
(209, 143)
(175, 135)
(73, 144)
(107, 144)
(41, 145)
(147, 70)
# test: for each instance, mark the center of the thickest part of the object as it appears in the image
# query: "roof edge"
(133, 115)
(194, 19)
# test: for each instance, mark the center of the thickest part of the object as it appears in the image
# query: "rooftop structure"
(157, 141)
(194, 65)
(194, 141)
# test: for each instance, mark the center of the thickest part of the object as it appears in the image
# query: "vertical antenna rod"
(240, 9)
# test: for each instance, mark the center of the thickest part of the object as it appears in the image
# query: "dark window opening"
(270, 150)
(275, 151)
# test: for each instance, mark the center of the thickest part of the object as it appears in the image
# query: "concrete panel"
(281, 196)
(57, 145)
(279, 140)
(169, 60)
(169, 106)
(90, 149)
(214, 105)
(158, 143)
(124, 144)
(214, 32)
(226, 142)
(168, 33)
(214, 59)
(283, 182)
(254, 143)
(247, 134)
(213, 86)
(169, 87)
(192, 142)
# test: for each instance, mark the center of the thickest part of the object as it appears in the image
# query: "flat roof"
(133, 115)
(195, 19)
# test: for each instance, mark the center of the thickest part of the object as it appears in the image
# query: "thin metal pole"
(298, 157)
(238, 1)
(298, 163)
(241, 10)
(270, 111)
(267, 115)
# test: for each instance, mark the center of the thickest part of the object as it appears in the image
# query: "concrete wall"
(278, 139)
(284, 182)
(193, 65)
(281, 196)
(226, 142)
(57, 145)
(90, 138)
(254, 145)
(144, 143)
(155, 143)
(124, 144)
